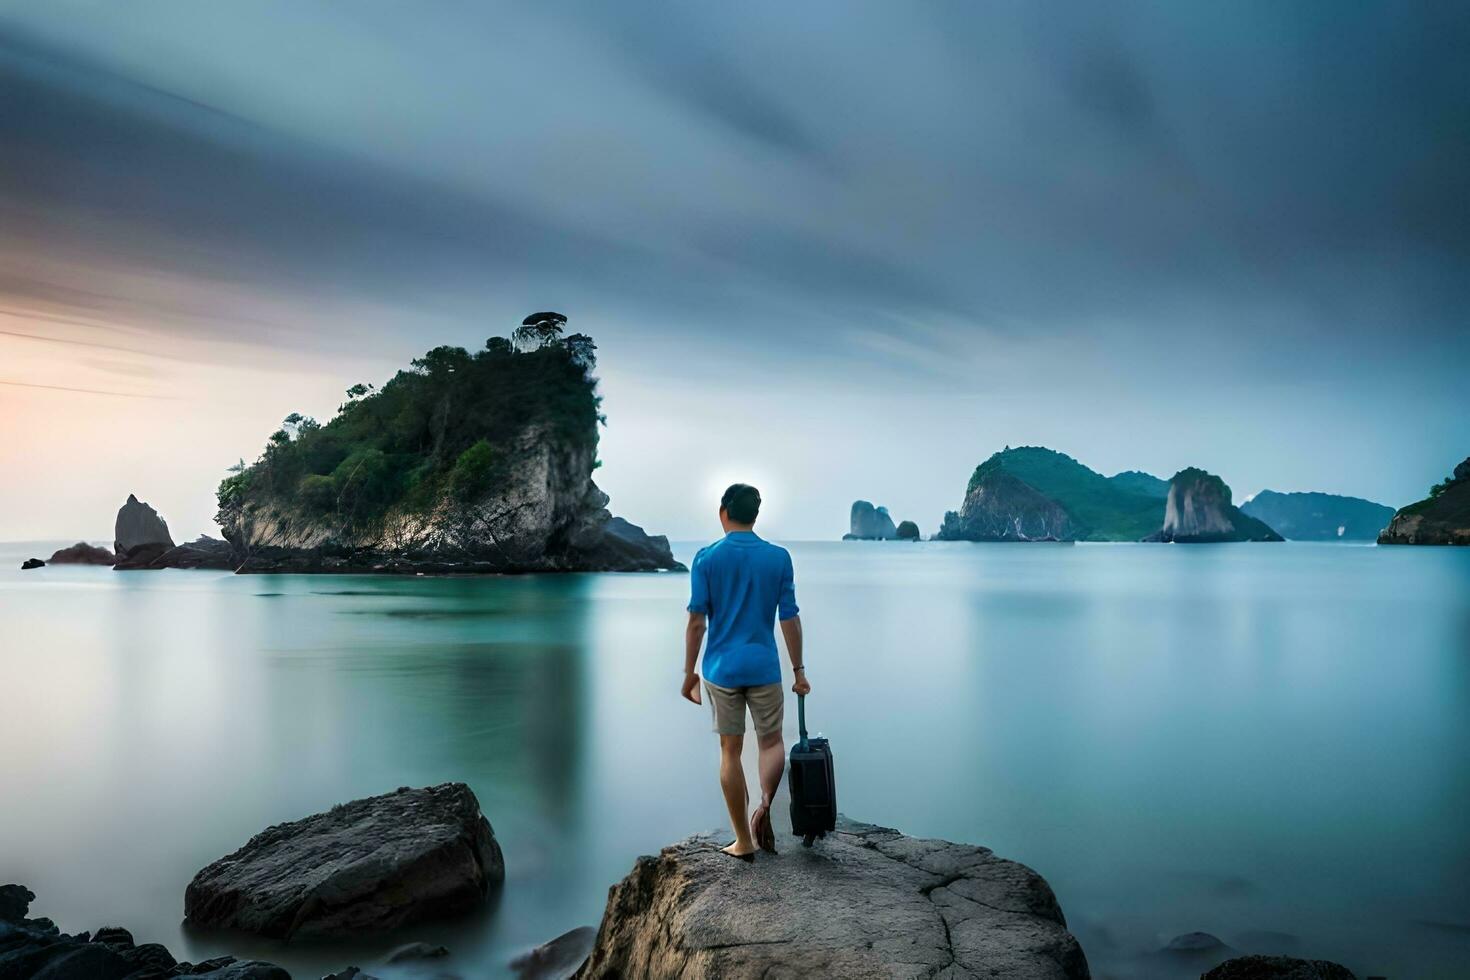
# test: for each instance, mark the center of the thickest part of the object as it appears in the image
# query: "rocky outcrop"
(1441, 518)
(1318, 516)
(83, 553)
(37, 948)
(202, 552)
(865, 902)
(141, 536)
(1199, 511)
(362, 867)
(908, 531)
(1001, 507)
(31, 563)
(1278, 968)
(546, 515)
(869, 523)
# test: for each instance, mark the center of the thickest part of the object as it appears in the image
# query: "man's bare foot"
(760, 827)
(737, 850)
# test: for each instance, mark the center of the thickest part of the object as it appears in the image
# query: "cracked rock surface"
(362, 867)
(865, 902)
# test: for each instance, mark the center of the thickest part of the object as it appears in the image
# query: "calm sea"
(1270, 743)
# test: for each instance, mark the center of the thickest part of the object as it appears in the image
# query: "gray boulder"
(361, 867)
(557, 959)
(140, 535)
(31, 563)
(1278, 968)
(82, 553)
(865, 902)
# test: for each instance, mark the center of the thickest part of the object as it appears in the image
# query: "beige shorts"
(767, 705)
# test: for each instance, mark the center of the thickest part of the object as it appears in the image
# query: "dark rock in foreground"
(1199, 511)
(1278, 968)
(1441, 518)
(865, 902)
(557, 959)
(31, 563)
(141, 536)
(82, 553)
(35, 948)
(365, 866)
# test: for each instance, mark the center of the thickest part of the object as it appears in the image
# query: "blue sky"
(845, 250)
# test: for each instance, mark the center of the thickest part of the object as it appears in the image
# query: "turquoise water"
(1241, 739)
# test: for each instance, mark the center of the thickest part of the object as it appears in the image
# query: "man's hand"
(691, 689)
(801, 686)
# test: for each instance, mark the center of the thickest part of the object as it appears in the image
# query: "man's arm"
(693, 640)
(791, 630)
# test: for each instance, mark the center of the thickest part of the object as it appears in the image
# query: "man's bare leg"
(732, 781)
(772, 764)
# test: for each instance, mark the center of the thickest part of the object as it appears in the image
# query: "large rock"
(202, 552)
(83, 553)
(1001, 507)
(1278, 968)
(865, 902)
(31, 563)
(1199, 511)
(908, 531)
(869, 523)
(1443, 518)
(34, 949)
(141, 536)
(362, 867)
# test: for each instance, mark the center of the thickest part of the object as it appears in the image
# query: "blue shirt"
(741, 582)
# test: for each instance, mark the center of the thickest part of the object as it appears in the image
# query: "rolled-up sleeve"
(698, 586)
(786, 605)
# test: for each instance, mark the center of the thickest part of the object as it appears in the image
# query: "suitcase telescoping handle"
(801, 719)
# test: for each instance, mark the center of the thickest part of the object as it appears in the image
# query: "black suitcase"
(813, 784)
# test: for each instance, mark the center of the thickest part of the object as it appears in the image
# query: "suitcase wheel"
(807, 840)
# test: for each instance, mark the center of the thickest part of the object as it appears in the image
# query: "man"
(737, 588)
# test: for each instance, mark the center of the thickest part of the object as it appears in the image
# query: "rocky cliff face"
(1318, 516)
(1199, 510)
(1441, 518)
(869, 523)
(866, 902)
(1000, 507)
(545, 515)
(141, 535)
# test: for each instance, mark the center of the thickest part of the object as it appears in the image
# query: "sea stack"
(1441, 518)
(141, 536)
(869, 523)
(1199, 511)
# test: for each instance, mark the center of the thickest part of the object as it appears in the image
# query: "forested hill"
(474, 462)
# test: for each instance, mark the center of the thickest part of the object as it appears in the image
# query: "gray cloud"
(1274, 192)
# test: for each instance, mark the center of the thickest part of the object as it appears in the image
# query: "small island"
(463, 463)
(1318, 516)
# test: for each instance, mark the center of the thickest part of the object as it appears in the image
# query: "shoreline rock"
(865, 902)
(367, 866)
(1441, 518)
(31, 563)
(37, 948)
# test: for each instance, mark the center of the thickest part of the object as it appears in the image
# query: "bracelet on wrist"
(798, 670)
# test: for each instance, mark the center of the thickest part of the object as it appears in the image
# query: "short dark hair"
(741, 503)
